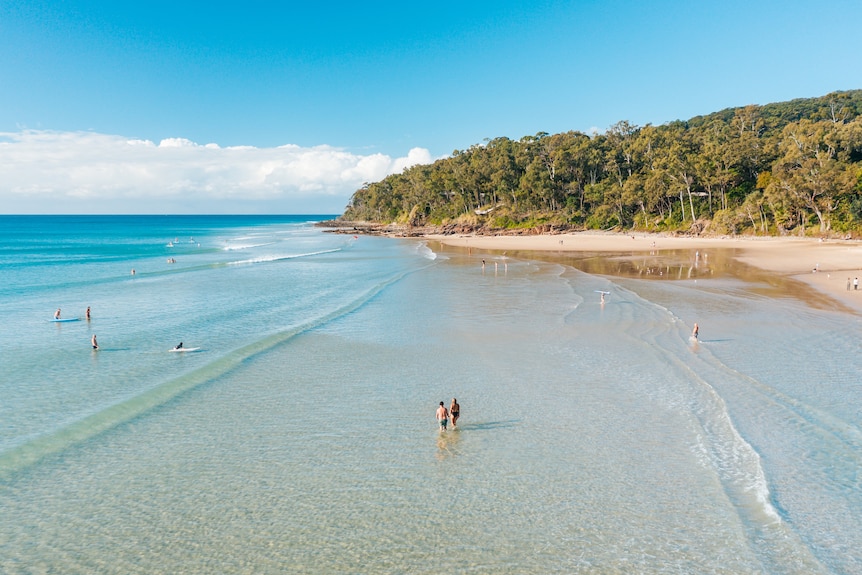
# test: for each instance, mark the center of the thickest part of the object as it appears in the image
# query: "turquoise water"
(301, 436)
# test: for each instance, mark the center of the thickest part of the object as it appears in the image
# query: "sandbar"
(825, 265)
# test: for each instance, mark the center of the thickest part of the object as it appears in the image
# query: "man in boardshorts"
(442, 416)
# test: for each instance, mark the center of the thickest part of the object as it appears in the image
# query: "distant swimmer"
(455, 412)
(442, 416)
(179, 346)
(88, 313)
(94, 342)
(694, 332)
(57, 314)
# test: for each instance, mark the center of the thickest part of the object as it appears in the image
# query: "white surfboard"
(183, 349)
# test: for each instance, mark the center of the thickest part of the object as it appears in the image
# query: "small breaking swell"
(737, 462)
(238, 247)
(276, 258)
(741, 473)
(721, 446)
(423, 250)
(693, 390)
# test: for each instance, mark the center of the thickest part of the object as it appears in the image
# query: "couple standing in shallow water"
(443, 414)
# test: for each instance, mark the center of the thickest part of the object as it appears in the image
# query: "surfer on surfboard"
(604, 293)
(180, 348)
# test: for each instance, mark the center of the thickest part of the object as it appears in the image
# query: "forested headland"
(785, 168)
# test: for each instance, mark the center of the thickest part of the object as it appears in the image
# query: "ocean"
(595, 437)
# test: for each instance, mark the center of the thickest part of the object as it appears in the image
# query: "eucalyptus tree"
(505, 173)
(621, 165)
(572, 160)
(753, 142)
(808, 170)
(678, 163)
(718, 165)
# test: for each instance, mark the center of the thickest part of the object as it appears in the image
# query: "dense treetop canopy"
(789, 167)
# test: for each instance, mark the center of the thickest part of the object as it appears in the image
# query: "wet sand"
(824, 266)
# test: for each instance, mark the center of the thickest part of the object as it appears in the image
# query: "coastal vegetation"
(785, 168)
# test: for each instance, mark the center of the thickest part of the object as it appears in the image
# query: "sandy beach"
(834, 260)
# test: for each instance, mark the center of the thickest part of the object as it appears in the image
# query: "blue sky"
(293, 105)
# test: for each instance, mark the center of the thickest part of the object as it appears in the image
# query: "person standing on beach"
(848, 284)
(442, 416)
(94, 342)
(855, 284)
(694, 332)
(455, 412)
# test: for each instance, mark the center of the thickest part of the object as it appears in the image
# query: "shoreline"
(824, 265)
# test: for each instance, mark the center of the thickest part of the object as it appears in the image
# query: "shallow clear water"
(301, 438)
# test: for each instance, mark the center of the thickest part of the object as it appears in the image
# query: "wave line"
(25, 455)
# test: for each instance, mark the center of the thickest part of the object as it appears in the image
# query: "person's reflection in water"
(447, 445)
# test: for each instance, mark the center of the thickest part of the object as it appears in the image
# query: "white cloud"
(177, 143)
(414, 156)
(86, 172)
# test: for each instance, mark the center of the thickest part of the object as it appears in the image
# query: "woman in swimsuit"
(454, 411)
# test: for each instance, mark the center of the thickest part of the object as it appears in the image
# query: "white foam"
(426, 252)
(246, 246)
(275, 258)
